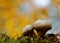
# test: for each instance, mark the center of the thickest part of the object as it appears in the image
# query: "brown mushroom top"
(42, 26)
(27, 28)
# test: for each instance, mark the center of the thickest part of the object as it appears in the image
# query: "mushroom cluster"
(39, 28)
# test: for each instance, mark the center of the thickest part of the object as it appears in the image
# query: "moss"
(44, 41)
(25, 39)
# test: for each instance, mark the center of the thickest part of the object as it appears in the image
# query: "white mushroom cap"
(27, 28)
(41, 23)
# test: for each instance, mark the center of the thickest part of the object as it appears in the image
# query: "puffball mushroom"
(41, 26)
(27, 30)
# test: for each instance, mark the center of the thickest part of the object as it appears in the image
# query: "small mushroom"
(27, 30)
(41, 26)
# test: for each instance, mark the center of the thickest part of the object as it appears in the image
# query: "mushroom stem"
(36, 33)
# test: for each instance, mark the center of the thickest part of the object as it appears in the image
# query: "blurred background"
(16, 14)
